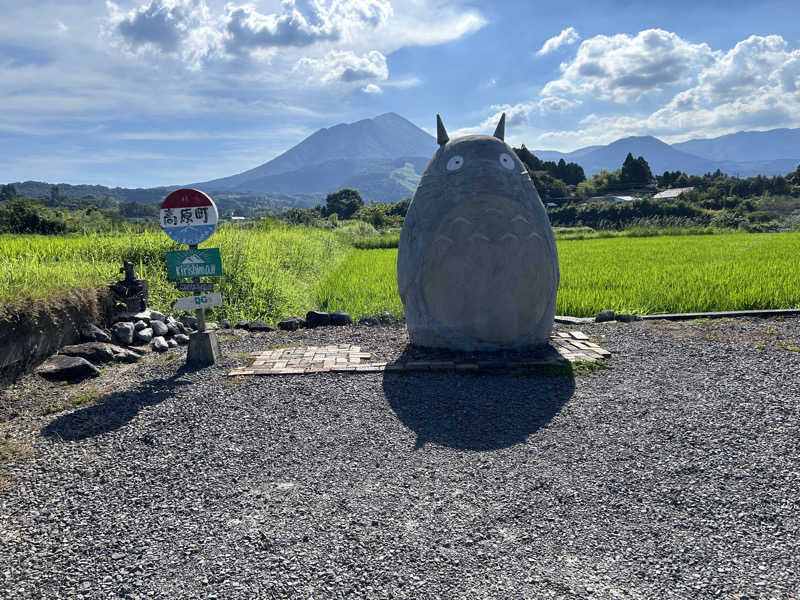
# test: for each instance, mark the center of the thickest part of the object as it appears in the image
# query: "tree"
(298, 216)
(7, 192)
(530, 160)
(794, 177)
(376, 215)
(635, 171)
(20, 215)
(399, 209)
(344, 203)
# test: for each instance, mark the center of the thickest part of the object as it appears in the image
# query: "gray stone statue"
(477, 267)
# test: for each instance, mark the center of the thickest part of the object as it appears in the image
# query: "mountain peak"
(387, 136)
(390, 116)
(638, 140)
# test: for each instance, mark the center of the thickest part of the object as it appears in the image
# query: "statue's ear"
(441, 133)
(500, 132)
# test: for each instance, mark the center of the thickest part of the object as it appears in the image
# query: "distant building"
(612, 198)
(671, 193)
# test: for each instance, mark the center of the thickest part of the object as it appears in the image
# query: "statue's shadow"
(476, 411)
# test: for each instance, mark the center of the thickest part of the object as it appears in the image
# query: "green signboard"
(205, 262)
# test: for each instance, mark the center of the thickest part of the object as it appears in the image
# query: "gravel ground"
(672, 474)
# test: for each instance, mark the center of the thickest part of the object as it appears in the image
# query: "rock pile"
(151, 327)
(79, 361)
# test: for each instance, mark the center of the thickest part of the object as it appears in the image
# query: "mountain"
(660, 156)
(383, 159)
(747, 146)
(742, 154)
(365, 155)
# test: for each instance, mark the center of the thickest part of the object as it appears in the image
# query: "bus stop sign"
(188, 216)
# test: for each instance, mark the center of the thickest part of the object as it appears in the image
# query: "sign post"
(189, 217)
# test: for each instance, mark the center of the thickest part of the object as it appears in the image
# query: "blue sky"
(139, 93)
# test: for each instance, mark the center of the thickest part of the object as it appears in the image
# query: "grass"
(643, 275)
(679, 274)
(268, 273)
(587, 367)
(365, 284)
(14, 451)
(275, 271)
(377, 242)
(392, 240)
(567, 368)
(88, 396)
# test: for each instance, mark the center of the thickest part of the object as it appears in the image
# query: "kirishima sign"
(188, 216)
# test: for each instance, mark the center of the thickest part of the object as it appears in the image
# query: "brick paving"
(571, 346)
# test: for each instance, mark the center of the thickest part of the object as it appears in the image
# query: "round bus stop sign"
(188, 216)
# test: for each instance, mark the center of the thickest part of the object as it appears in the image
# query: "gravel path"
(673, 474)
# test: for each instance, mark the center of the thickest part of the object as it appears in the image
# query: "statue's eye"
(455, 163)
(506, 161)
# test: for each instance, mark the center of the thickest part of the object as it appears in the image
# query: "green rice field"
(274, 271)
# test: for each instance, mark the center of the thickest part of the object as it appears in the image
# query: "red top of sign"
(185, 198)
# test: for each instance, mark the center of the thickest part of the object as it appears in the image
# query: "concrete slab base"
(572, 346)
(203, 349)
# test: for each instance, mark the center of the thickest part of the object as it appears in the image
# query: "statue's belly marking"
(484, 272)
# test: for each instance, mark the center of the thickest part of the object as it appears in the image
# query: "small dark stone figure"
(132, 292)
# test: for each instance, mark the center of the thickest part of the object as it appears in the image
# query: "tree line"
(756, 203)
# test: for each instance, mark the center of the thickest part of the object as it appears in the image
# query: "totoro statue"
(477, 267)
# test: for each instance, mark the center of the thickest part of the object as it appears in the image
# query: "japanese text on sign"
(185, 216)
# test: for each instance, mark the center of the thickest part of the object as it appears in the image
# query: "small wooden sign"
(196, 302)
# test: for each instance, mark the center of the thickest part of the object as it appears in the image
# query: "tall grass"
(267, 273)
(272, 271)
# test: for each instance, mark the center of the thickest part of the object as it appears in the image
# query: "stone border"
(564, 347)
(766, 313)
(774, 312)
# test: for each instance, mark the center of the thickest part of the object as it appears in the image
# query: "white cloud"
(431, 25)
(344, 66)
(315, 36)
(672, 89)
(183, 28)
(751, 64)
(160, 24)
(552, 104)
(303, 25)
(623, 67)
(371, 88)
(565, 38)
(403, 83)
(516, 116)
(754, 85)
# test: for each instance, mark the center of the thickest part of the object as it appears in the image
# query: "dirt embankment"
(31, 333)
